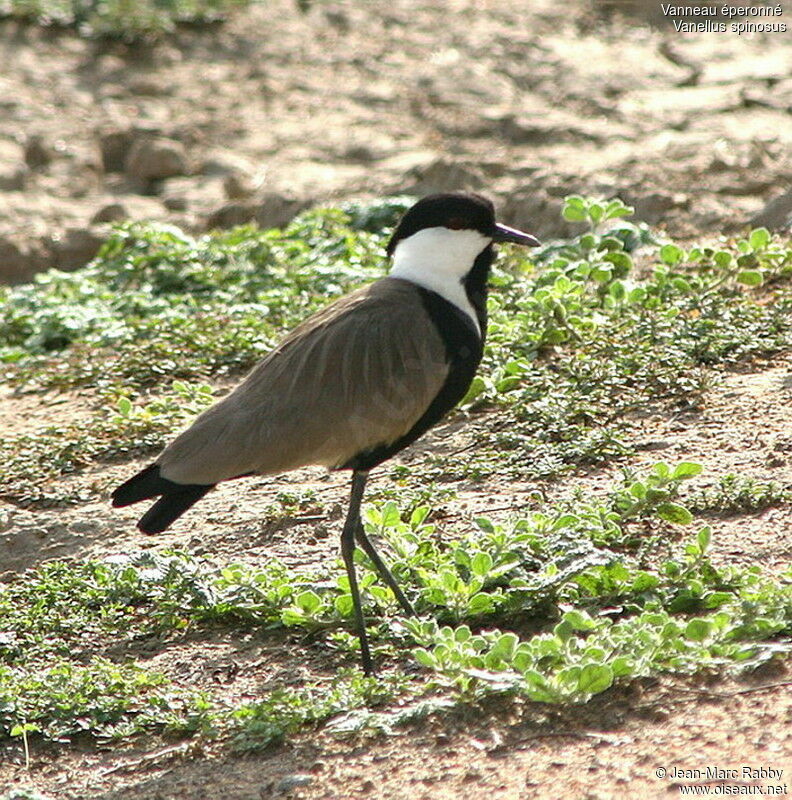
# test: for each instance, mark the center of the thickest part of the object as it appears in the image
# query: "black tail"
(176, 497)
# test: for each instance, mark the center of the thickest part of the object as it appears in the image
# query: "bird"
(352, 385)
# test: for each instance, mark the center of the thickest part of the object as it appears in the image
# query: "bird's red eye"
(455, 223)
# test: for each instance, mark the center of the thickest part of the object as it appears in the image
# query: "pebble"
(155, 159)
(112, 212)
(288, 783)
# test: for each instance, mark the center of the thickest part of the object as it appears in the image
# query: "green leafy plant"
(120, 19)
(557, 602)
(594, 212)
(738, 494)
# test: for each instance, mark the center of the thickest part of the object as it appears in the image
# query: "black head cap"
(456, 211)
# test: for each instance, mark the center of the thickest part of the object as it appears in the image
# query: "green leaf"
(124, 406)
(602, 273)
(698, 629)
(481, 564)
(505, 646)
(574, 214)
(579, 620)
(390, 515)
(637, 295)
(717, 599)
(565, 521)
(344, 605)
(622, 666)
(759, 238)
(485, 524)
(686, 469)
(563, 630)
(617, 290)
(671, 512)
(419, 515)
(477, 386)
(671, 254)
(594, 678)
(704, 538)
(616, 208)
(661, 469)
(748, 261)
(536, 681)
(424, 658)
(292, 616)
(308, 601)
(723, 258)
(507, 384)
(656, 496)
(462, 634)
(621, 261)
(638, 489)
(750, 277)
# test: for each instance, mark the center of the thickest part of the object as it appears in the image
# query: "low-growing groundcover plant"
(119, 19)
(556, 605)
(578, 338)
(602, 614)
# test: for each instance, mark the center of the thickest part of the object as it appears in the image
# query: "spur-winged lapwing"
(355, 383)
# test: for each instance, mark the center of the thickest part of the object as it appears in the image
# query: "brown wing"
(356, 375)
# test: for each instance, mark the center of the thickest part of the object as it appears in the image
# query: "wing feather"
(356, 375)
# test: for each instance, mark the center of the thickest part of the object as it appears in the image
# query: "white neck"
(438, 259)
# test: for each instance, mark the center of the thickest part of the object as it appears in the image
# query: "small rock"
(75, 247)
(112, 212)
(777, 214)
(155, 159)
(6, 521)
(535, 210)
(108, 65)
(224, 162)
(150, 86)
(360, 152)
(13, 177)
(529, 130)
(288, 783)
(277, 210)
(231, 214)
(443, 175)
(238, 187)
(79, 527)
(13, 170)
(654, 206)
(37, 152)
(201, 195)
(114, 146)
(338, 19)
(21, 259)
(176, 202)
(111, 91)
(240, 178)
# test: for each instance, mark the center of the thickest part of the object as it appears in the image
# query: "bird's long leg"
(347, 552)
(385, 573)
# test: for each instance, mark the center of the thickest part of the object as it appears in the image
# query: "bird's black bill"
(503, 233)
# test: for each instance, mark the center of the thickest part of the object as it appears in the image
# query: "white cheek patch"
(438, 259)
